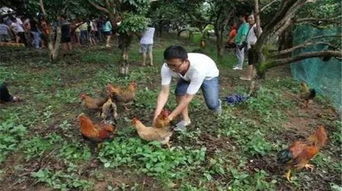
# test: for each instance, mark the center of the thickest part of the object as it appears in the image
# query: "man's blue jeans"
(210, 89)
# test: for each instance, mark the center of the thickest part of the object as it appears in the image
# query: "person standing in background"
(240, 41)
(252, 37)
(107, 31)
(146, 45)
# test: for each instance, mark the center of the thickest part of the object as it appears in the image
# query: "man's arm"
(181, 106)
(162, 99)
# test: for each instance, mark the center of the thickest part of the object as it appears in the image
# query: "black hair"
(175, 52)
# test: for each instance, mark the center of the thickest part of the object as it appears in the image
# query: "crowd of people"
(34, 31)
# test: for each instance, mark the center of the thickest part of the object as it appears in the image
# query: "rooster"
(307, 94)
(161, 135)
(298, 155)
(95, 132)
(122, 95)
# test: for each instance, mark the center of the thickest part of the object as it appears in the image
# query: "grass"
(41, 146)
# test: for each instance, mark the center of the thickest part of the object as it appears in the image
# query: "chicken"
(300, 153)
(109, 111)
(161, 135)
(306, 94)
(92, 103)
(122, 95)
(162, 120)
(95, 132)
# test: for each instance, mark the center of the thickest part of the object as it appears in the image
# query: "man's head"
(176, 58)
(242, 18)
(251, 20)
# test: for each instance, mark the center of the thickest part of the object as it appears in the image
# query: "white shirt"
(16, 27)
(201, 68)
(252, 37)
(147, 37)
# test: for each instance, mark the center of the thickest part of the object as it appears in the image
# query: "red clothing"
(232, 35)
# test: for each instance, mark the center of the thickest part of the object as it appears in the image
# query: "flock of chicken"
(296, 156)
(107, 107)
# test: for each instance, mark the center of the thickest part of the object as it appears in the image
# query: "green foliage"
(243, 181)
(133, 23)
(267, 105)
(258, 145)
(150, 158)
(60, 180)
(37, 146)
(10, 137)
(146, 99)
(74, 151)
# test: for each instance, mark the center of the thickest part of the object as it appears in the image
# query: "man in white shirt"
(195, 71)
(146, 44)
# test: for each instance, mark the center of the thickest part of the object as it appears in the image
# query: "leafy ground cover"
(42, 149)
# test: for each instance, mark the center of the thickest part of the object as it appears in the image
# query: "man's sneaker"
(237, 68)
(181, 126)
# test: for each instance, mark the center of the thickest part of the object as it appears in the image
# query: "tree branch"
(305, 44)
(267, 5)
(98, 7)
(326, 53)
(42, 6)
(328, 20)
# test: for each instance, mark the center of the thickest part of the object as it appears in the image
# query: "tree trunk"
(286, 39)
(54, 44)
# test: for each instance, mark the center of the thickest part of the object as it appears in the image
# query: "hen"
(162, 120)
(92, 103)
(307, 94)
(151, 133)
(95, 132)
(109, 111)
(300, 153)
(122, 94)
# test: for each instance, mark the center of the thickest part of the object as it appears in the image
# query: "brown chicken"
(161, 135)
(298, 155)
(109, 111)
(95, 132)
(162, 120)
(92, 103)
(307, 94)
(122, 95)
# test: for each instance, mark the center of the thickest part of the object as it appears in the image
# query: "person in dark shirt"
(5, 96)
(66, 34)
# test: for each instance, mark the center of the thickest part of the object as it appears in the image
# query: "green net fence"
(324, 76)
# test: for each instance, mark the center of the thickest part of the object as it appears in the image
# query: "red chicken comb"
(135, 120)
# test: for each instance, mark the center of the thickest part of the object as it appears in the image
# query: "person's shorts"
(107, 33)
(250, 57)
(146, 48)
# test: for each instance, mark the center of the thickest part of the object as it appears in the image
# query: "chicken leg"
(309, 166)
(288, 175)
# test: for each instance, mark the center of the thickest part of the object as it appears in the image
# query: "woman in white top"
(252, 38)
(146, 44)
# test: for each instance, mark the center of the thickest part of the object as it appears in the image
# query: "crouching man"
(195, 71)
